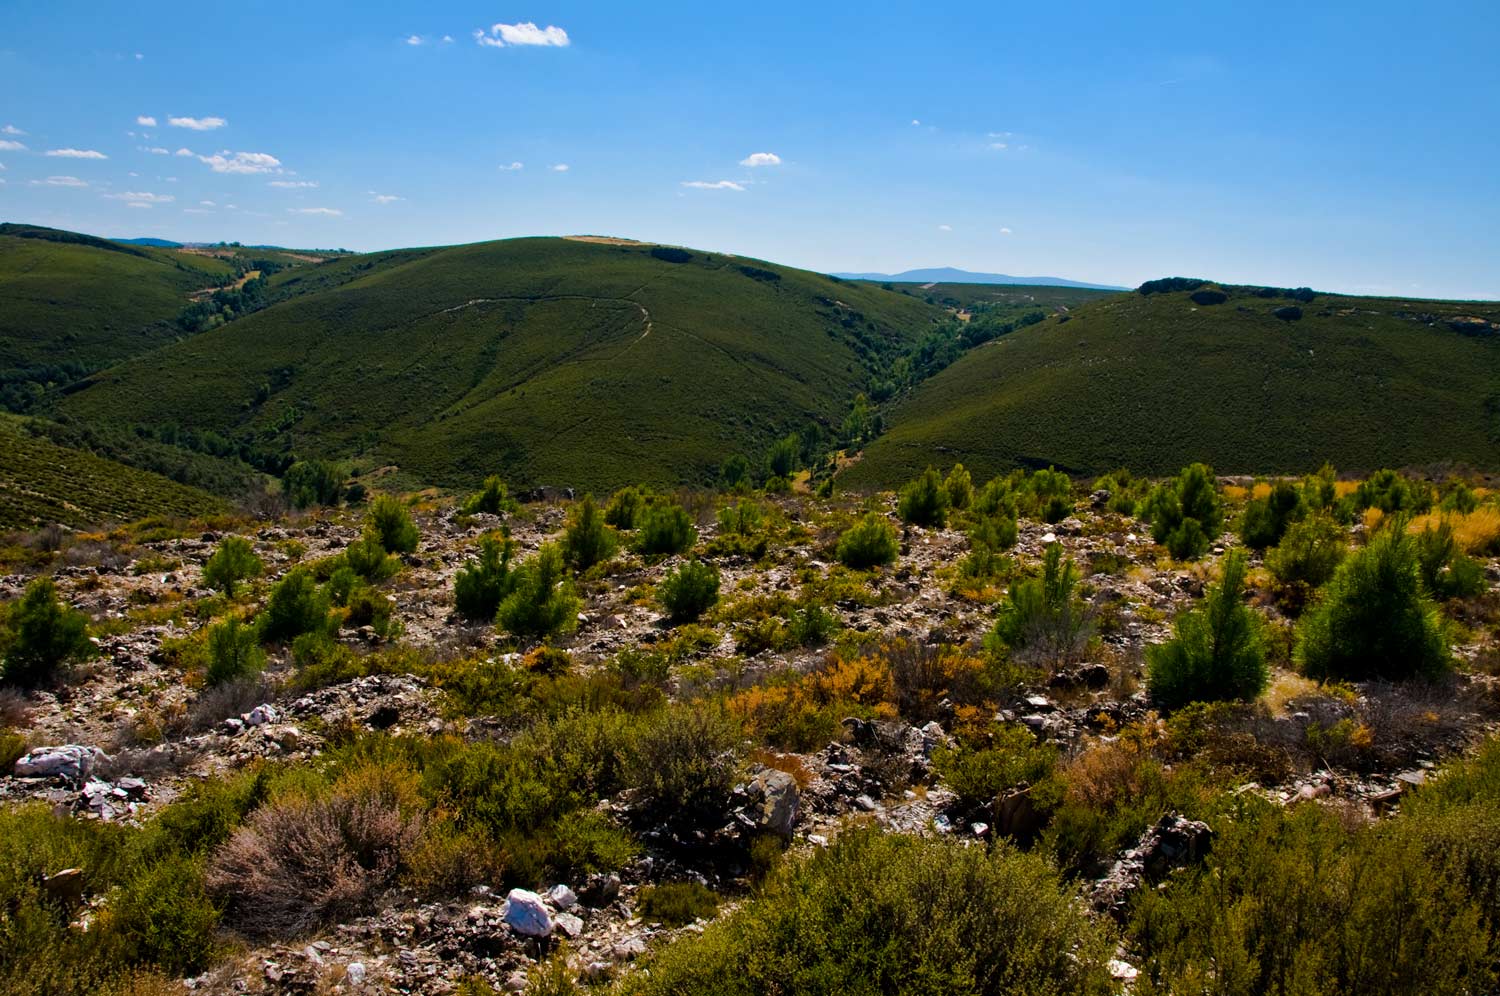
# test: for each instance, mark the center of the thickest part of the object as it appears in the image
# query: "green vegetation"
(542, 600)
(870, 542)
(39, 636)
(677, 904)
(296, 606)
(1374, 620)
(234, 561)
(492, 498)
(587, 540)
(481, 585)
(689, 591)
(312, 482)
(933, 916)
(1156, 382)
(1265, 520)
(233, 652)
(1043, 618)
(1186, 514)
(389, 521)
(925, 502)
(1308, 555)
(1218, 651)
(665, 529)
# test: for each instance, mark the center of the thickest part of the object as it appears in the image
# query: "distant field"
(43, 483)
(1152, 383)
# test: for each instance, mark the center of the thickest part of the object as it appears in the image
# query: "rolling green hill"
(1003, 295)
(42, 483)
(562, 361)
(1154, 382)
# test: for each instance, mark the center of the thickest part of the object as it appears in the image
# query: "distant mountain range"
(952, 275)
(155, 243)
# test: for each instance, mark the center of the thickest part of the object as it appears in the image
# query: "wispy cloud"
(945, 228)
(447, 39)
(197, 124)
(11, 146)
(159, 151)
(11, 129)
(207, 204)
(512, 167)
(292, 184)
(916, 122)
(383, 198)
(184, 152)
(242, 162)
(330, 212)
(142, 199)
(145, 119)
(196, 211)
(999, 146)
(713, 185)
(76, 154)
(558, 167)
(1004, 231)
(761, 159)
(524, 33)
(60, 181)
(414, 40)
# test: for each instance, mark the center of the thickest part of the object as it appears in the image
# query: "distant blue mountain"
(155, 243)
(951, 275)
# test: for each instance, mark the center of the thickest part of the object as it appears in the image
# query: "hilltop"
(1233, 377)
(548, 360)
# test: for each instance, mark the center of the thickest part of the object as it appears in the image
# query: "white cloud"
(158, 151)
(512, 166)
(141, 199)
(183, 152)
(60, 181)
(11, 129)
(196, 211)
(761, 159)
(242, 162)
(146, 119)
(715, 185)
(10, 146)
(293, 184)
(559, 167)
(1004, 231)
(2, 166)
(1000, 134)
(945, 228)
(383, 198)
(139, 57)
(524, 33)
(915, 121)
(197, 124)
(138, 204)
(414, 40)
(330, 212)
(76, 154)
(208, 204)
(447, 39)
(999, 146)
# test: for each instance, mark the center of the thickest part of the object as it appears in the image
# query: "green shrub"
(312, 482)
(45, 635)
(1459, 498)
(689, 591)
(389, 521)
(234, 561)
(587, 540)
(1186, 514)
(1446, 572)
(1042, 618)
(296, 606)
(784, 457)
(870, 542)
(542, 601)
(682, 762)
(1009, 758)
(811, 625)
(491, 498)
(904, 916)
(1391, 492)
(1218, 651)
(367, 558)
(233, 652)
(368, 607)
(1265, 520)
(1309, 553)
(923, 502)
(165, 918)
(625, 508)
(1050, 495)
(342, 583)
(481, 585)
(735, 473)
(959, 486)
(1374, 620)
(665, 529)
(996, 499)
(677, 904)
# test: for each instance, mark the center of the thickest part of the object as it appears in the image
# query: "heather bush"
(1374, 620)
(677, 904)
(682, 763)
(482, 584)
(1008, 757)
(43, 635)
(542, 600)
(1042, 618)
(870, 542)
(689, 591)
(234, 653)
(880, 912)
(924, 502)
(234, 561)
(1217, 652)
(587, 540)
(389, 521)
(665, 529)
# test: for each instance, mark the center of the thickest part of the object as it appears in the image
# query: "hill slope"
(43, 483)
(1154, 382)
(549, 360)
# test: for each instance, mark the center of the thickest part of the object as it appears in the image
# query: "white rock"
(70, 761)
(1122, 971)
(562, 897)
(570, 925)
(1049, 538)
(525, 913)
(261, 715)
(355, 973)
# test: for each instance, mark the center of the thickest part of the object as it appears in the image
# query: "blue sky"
(1347, 146)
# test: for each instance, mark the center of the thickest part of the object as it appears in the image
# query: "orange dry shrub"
(803, 712)
(1476, 532)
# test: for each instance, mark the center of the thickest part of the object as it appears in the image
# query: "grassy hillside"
(548, 360)
(1002, 295)
(43, 483)
(1153, 382)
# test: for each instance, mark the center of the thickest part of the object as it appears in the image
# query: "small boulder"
(774, 803)
(525, 913)
(72, 762)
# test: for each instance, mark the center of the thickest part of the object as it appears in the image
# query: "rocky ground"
(146, 733)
